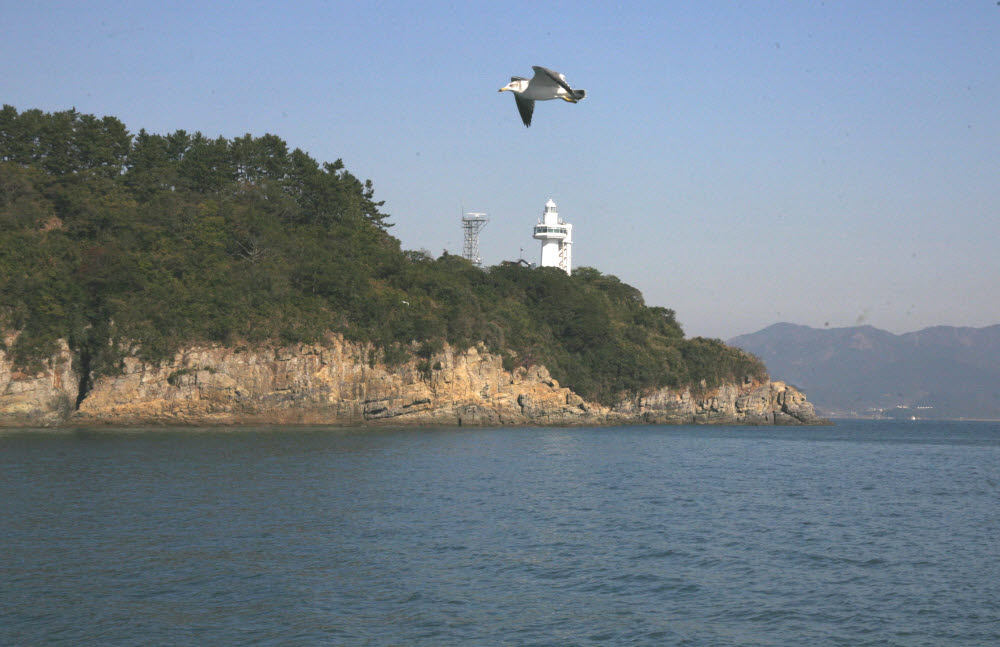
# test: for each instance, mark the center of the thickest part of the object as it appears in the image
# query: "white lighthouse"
(557, 239)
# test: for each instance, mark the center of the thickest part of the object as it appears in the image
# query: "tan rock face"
(750, 403)
(38, 399)
(330, 384)
(336, 383)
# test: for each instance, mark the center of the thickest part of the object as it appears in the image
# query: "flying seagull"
(545, 85)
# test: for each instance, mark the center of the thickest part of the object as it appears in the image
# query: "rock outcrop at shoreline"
(38, 399)
(339, 383)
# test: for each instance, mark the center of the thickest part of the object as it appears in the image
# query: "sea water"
(863, 533)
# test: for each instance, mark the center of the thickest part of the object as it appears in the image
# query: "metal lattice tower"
(472, 224)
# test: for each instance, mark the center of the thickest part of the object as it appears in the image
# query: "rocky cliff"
(38, 399)
(340, 383)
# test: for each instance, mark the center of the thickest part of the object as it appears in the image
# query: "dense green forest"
(125, 243)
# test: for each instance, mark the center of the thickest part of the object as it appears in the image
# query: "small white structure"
(557, 239)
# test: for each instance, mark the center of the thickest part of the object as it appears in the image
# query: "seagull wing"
(525, 107)
(547, 77)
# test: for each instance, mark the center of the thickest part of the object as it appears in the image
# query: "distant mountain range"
(942, 372)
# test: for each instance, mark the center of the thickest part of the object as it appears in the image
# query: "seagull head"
(516, 85)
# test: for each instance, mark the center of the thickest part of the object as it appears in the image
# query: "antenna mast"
(472, 224)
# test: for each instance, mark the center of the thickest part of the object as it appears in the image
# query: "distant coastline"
(862, 372)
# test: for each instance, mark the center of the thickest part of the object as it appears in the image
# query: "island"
(182, 279)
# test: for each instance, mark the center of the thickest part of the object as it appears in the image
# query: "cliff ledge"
(338, 383)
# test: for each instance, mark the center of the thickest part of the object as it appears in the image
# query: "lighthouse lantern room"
(556, 237)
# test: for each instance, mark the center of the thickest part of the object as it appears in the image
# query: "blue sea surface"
(863, 533)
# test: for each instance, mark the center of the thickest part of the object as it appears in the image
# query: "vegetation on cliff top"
(141, 243)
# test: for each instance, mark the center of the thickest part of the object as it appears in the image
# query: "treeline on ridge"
(140, 244)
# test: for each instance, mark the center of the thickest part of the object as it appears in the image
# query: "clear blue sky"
(823, 163)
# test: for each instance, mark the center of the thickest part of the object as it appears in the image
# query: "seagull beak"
(501, 89)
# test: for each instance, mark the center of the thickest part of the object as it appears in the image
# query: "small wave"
(657, 554)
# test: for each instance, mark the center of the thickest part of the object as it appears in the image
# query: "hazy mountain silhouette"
(939, 372)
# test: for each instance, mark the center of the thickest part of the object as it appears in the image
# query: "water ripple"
(858, 534)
